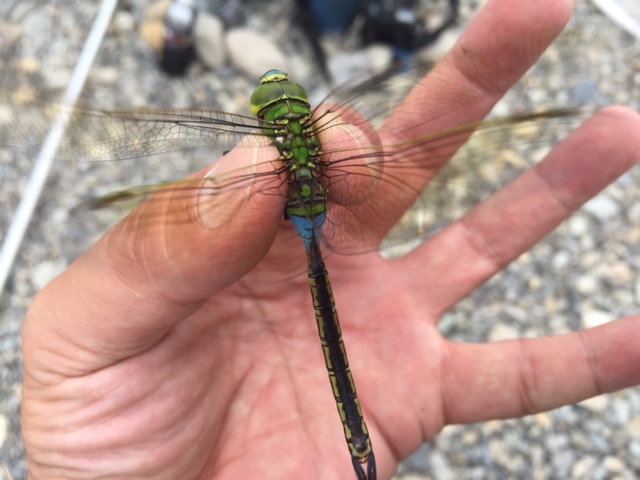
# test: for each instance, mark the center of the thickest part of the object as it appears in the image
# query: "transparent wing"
(500, 150)
(497, 152)
(96, 135)
(101, 136)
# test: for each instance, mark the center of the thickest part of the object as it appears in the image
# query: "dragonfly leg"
(371, 468)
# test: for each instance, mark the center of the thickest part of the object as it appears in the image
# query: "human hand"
(187, 352)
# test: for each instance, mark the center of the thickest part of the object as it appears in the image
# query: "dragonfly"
(327, 178)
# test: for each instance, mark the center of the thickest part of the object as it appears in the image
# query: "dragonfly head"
(273, 76)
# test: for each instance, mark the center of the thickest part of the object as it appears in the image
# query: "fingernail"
(225, 189)
(358, 161)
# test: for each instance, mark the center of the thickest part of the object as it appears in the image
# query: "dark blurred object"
(317, 16)
(333, 15)
(397, 22)
(230, 11)
(178, 51)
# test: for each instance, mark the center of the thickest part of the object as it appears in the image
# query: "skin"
(185, 351)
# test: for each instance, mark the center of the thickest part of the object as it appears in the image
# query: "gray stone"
(56, 78)
(209, 40)
(583, 467)
(602, 207)
(503, 332)
(345, 65)
(46, 271)
(123, 21)
(595, 404)
(595, 318)
(4, 429)
(633, 427)
(587, 284)
(253, 53)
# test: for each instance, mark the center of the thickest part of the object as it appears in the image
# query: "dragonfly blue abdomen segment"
(307, 227)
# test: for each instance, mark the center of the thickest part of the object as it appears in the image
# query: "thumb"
(159, 265)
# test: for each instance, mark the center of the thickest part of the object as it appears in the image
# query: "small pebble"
(30, 65)
(613, 464)
(502, 332)
(583, 467)
(602, 207)
(595, 318)
(595, 405)
(4, 429)
(633, 427)
(46, 271)
(253, 53)
(209, 40)
(152, 33)
(123, 21)
(587, 284)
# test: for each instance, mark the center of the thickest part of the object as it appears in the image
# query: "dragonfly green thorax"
(283, 105)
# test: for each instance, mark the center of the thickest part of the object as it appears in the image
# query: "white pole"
(627, 15)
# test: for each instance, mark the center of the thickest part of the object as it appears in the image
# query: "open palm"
(191, 352)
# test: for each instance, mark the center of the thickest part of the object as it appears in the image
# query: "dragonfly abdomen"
(335, 355)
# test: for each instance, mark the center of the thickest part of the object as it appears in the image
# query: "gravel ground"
(584, 276)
